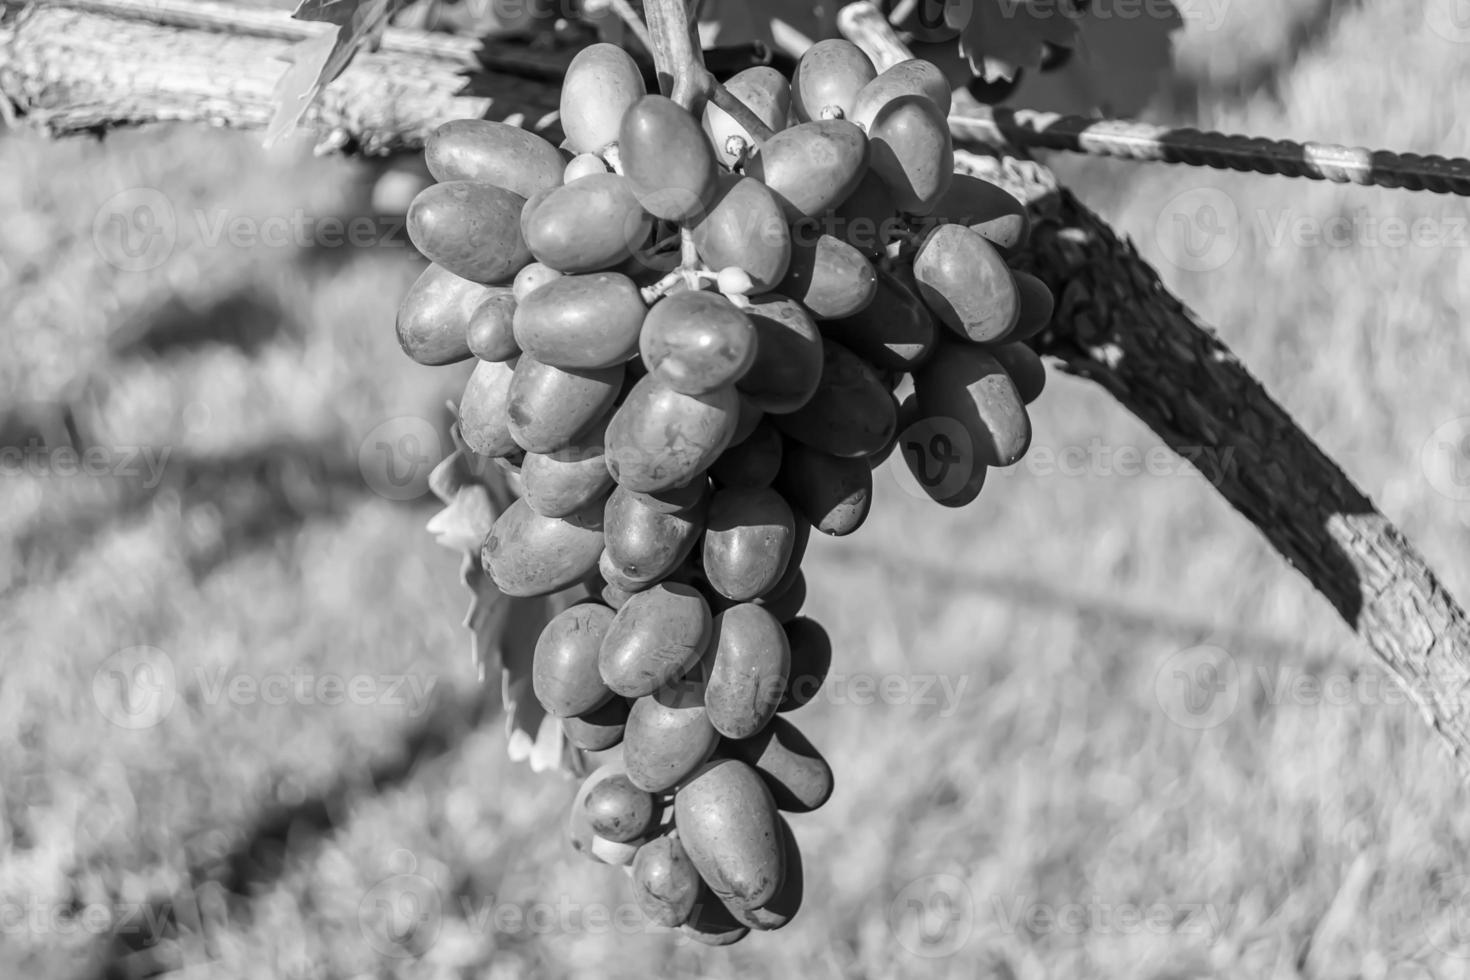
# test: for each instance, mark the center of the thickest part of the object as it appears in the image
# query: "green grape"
(433, 320)
(602, 83)
(788, 355)
(727, 822)
(665, 883)
(911, 149)
(654, 639)
(564, 673)
(696, 343)
(565, 481)
(588, 225)
(530, 555)
(747, 674)
(619, 811)
(968, 385)
(582, 321)
(747, 542)
(894, 332)
(828, 78)
(745, 228)
(991, 211)
(911, 77)
(799, 779)
(490, 332)
(493, 153)
(549, 406)
(471, 229)
(643, 544)
(852, 413)
(1024, 367)
(667, 739)
(965, 282)
(812, 167)
(483, 420)
(659, 438)
(834, 494)
(829, 277)
(811, 661)
(667, 160)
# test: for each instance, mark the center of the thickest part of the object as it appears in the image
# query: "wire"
(1127, 140)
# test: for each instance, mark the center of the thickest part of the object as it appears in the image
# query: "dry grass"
(1321, 835)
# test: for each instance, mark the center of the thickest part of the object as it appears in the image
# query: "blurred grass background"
(1062, 814)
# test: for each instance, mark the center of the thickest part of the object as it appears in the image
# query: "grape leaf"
(999, 36)
(1115, 70)
(316, 61)
(503, 629)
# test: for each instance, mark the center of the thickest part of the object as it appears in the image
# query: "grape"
(828, 78)
(675, 438)
(564, 674)
(586, 226)
(727, 822)
(833, 493)
(583, 321)
(619, 811)
(1036, 307)
(565, 481)
(830, 278)
(745, 228)
(799, 779)
(911, 149)
(433, 320)
(711, 923)
(894, 332)
(747, 542)
(583, 165)
(660, 439)
(1024, 367)
(667, 739)
(599, 729)
(812, 167)
(528, 555)
(602, 83)
(782, 907)
(785, 603)
(765, 91)
(751, 463)
(493, 153)
(549, 406)
(532, 278)
(968, 385)
(788, 355)
(866, 220)
(852, 413)
(654, 639)
(665, 883)
(748, 671)
(667, 159)
(964, 280)
(987, 209)
(911, 77)
(811, 659)
(491, 334)
(483, 422)
(696, 343)
(643, 544)
(471, 229)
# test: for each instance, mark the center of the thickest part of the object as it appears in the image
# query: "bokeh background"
(1090, 726)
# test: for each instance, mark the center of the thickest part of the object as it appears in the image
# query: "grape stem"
(743, 114)
(677, 56)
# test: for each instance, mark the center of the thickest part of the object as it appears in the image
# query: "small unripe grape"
(583, 165)
(734, 281)
(532, 278)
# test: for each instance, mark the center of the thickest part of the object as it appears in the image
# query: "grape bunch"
(692, 334)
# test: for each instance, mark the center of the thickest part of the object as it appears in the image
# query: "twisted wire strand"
(1127, 140)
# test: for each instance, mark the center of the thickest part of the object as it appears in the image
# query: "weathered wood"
(67, 70)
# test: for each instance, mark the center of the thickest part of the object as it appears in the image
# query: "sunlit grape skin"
(668, 161)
